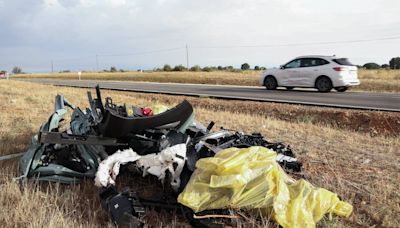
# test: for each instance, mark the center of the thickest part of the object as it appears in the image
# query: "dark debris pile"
(97, 133)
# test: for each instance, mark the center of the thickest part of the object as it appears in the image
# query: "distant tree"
(195, 68)
(245, 66)
(371, 66)
(220, 68)
(256, 68)
(385, 66)
(3, 72)
(207, 69)
(16, 70)
(179, 68)
(167, 67)
(395, 63)
(65, 71)
(263, 68)
(228, 68)
(113, 69)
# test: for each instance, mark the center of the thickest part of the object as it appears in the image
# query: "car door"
(308, 67)
(311, 69)
(289, 73)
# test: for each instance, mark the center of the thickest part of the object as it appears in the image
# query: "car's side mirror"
(282, 67)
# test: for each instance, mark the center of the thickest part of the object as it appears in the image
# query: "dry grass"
(363, 169)
(371, 80)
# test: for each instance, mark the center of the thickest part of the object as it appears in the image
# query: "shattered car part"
(166, 144)
(115, 122)
(65, 163)
(70, 155)
(125, 208)
(210, 144)
(114, 125)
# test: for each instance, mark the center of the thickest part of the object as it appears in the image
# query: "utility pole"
(52, 67)
(187, 57)
(97, 63)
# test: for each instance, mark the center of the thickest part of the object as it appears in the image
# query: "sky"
(143, 34)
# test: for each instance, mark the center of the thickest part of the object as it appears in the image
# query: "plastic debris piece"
(250, 178)
(147, 111)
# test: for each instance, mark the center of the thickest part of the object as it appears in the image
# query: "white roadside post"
(7, 75)
(79, 75)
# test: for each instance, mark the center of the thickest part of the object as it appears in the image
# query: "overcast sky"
(143, 34)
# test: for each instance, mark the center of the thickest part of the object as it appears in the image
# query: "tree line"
(394, 63)
(198, 68)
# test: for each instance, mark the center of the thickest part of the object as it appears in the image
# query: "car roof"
(318, 56)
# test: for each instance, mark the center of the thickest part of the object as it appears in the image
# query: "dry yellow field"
(362, 167)
(371, 80)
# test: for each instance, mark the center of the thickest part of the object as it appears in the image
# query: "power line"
(298, 44)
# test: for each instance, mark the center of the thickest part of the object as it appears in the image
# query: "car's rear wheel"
(289, 88)
(270, 83)
(323, 84)
(341, 89)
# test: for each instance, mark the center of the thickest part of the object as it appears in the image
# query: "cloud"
(68, 29)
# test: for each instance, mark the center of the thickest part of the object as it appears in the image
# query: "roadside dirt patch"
(370, 122)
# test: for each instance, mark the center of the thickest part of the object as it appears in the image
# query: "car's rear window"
(343, 61)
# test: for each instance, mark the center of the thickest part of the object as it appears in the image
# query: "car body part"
(113, 120)
(167, 143)
(210, 144)
(115, 125)
(127, 209)
(60, 161)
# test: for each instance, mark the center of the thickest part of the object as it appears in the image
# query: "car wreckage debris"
(167, 144)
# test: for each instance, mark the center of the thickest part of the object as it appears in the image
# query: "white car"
(320, 72)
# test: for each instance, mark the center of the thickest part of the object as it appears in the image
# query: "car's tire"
(323, 84)
(289, 88)
(270, 82)
(341, 89)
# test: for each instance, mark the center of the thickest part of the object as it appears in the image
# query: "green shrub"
(245, 66)
(179, 68)
(195, 68)
(372, 66)
(167, 67)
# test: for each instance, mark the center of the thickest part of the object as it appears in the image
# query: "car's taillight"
(340, 69)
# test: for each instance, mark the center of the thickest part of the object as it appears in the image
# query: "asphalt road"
(354, 100)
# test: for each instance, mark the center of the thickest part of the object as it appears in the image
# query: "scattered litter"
(208, 171)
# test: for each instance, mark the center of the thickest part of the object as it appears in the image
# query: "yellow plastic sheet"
(252, 179)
